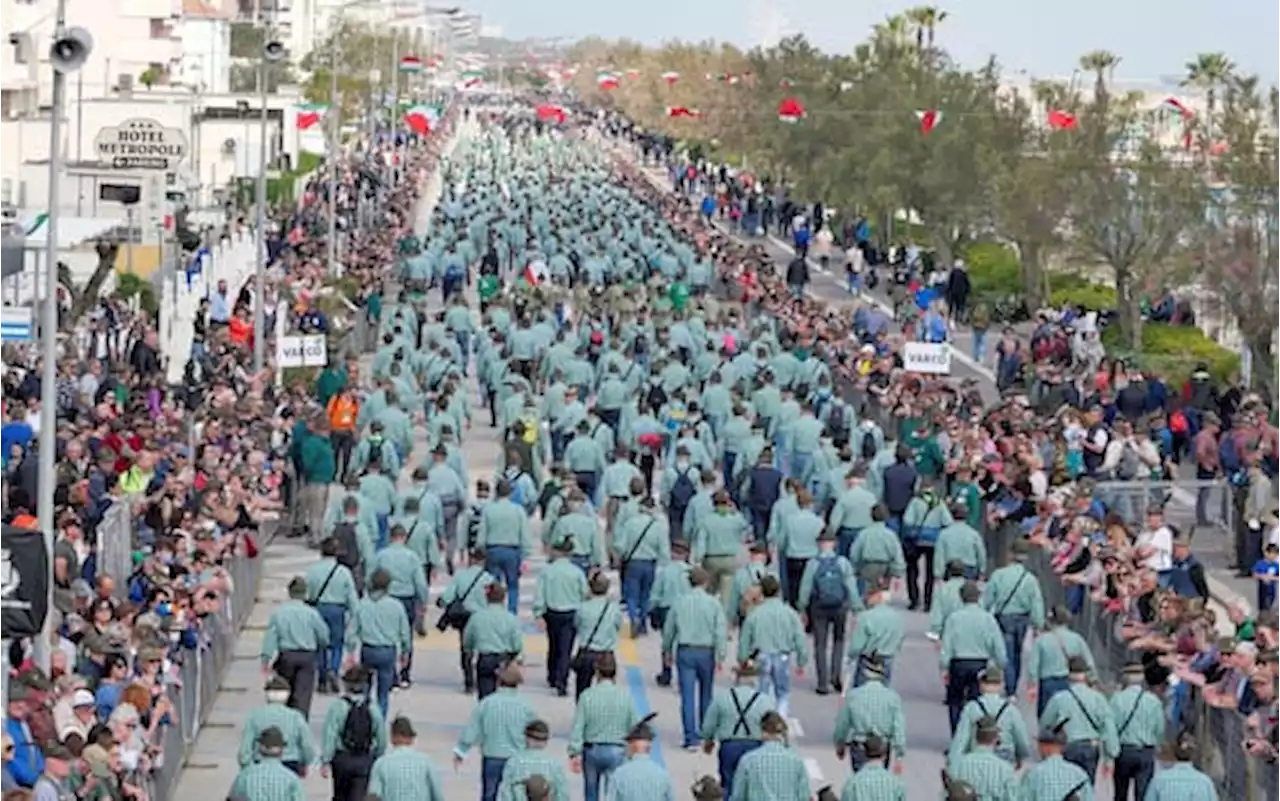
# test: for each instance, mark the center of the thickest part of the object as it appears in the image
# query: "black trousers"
(1134, 768)
(915, 553)
(962, 686)
(561, 629)
(584, 670)
(299, 669)
(487, 667)
(829, 630)
(350, 774)
(795, 574)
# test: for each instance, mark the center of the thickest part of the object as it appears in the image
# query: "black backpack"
(835, 420)
(357, 729)
(682, 492)
(868, 447)
(656, 397)
(348, 554)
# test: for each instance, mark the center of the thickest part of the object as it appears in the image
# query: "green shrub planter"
(1173, 351)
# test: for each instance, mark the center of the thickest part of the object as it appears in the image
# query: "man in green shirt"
(604, 715)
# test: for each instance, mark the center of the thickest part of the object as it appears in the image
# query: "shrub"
(1090, 297)
(1173, 351)
(993, 269)
(129, 286)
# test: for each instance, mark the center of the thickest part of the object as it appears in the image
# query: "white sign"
(927, 357)
(302, 351)
(17, 324)
(141, 144)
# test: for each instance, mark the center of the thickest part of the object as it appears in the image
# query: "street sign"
(302, 351)
(927, 357)
(16, 324)
(141, 144)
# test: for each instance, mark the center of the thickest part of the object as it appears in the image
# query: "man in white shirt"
(1155, 544)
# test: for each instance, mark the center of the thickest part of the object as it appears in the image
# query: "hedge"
(994, 272)
(1173, 351)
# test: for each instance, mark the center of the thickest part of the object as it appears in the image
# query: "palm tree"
(893, 31)
(1102, 63)
(925, 19)
(1208, 72)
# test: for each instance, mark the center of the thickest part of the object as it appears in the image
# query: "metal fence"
(1219, 733)
(199, 675)
(115, 543)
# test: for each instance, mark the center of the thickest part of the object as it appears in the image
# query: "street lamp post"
(335, 111)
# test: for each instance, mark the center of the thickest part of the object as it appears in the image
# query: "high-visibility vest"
(342, 413)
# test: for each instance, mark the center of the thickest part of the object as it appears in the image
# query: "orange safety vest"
(343, 413)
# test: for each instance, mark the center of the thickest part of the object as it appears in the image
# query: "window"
(161, 29)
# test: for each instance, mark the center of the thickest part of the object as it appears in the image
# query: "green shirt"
(772, 772)
(268, 780)
(335, 720)
(1014, 590)
(497, 724)
(1055, 777)
(735, 713)
(562, 587)
(405, 774)
(872, 708)
(598, 622)
(1084, 714)
(879, 632)
(379, 620)
(874, 783)
(493, 630)
(604, 715)
(533, 762)
(298, 746)
(696, 620)
(1015, 744)
(773, 628)
(1139, 716)
(991, 777)
(294, 626)
(972, 633)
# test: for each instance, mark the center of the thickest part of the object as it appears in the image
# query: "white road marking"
(794, 728)
(814, 771)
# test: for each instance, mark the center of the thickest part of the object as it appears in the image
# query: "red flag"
(1061, 120)
(677, 112)
(548, 113)
(790, 110)
(929, 119)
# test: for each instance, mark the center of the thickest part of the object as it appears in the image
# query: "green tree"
(1209, 73)
(1240, 241)
(1132, 213)
(1102, 63)
(85, 297)
(152, 75)
(358, 49)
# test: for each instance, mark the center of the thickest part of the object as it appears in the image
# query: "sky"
(1038, 38)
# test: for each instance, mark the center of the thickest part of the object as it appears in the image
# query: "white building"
(132, 38)
(223, 144)
(205, 63)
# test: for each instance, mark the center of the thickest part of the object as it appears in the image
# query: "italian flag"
(472, 79)
(535, 272)
(310, 114)
(421, 119)
(607, 81)
(411, 64)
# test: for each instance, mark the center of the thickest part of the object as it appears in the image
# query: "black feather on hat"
(642, 730)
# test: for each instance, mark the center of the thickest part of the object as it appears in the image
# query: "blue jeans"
(380, 660)
(726, 467)
(1015, 633)
(979, 346)
(490, 777)
(775, 678)
(1049, 687)
(731, 753)
(801, 463)
(845, 538)
(335, 617)
(411, 611)
(598, 764)
(636, 590)
(464, 347)
(696, 674)
(503, 562)
(1075, 598)
(384, 528)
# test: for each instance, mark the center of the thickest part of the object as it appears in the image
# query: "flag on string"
(670, 77)
(633, 74)
(472, 79)
(411, 64)
(421, 119)
(1174, 104)
(677, 112)
(549, 113)
(929, 119)
(790, 110)
(607, 81)
(1060, 120)
(309, 115)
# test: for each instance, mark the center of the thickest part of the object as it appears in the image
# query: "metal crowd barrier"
(1218, 733)
(200, 673)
